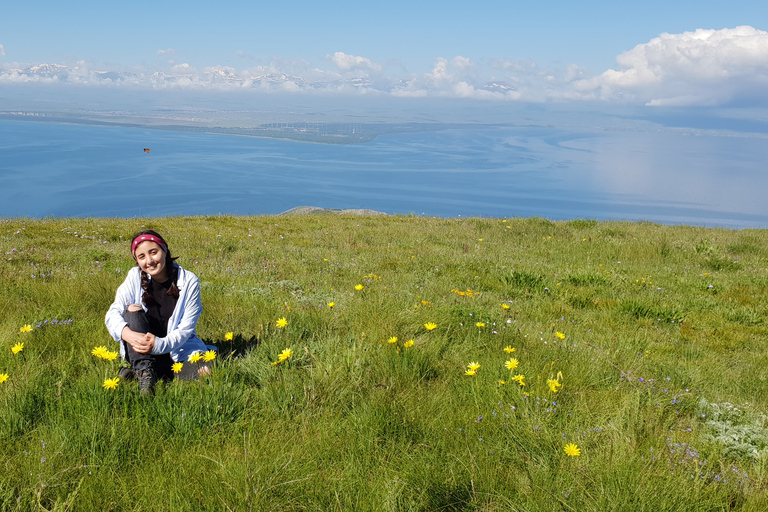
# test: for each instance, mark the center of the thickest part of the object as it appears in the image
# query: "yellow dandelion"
(25, 328)
(508, 349)
(470, 372)
(331, 304)
(520, 379)
(17, 348)
(285, 354)
(111, 383)
(392, 339)
(3, 377)
(505, 306)
(480, 324)
(501, 382)
(99, 351)
(408, 344)
(572, 450)
(195, 357)
(473, 366)
(209, 356)
(430, 326)
(560, 335)
(109, 356)
(512, 364)
(359, 287)
(553, 385)
(229, 336)
(177, 367)
(281, 322)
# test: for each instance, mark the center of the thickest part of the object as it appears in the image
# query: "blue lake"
(662, 176)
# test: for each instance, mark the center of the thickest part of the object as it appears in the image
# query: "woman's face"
(151, 259)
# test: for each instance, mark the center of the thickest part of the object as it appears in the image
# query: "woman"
(155, 313)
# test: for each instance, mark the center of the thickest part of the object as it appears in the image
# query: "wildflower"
(281, 322)
(508, 349)
(393, 339)
(209, 356)
(501, 382)
(331, 304)
(284, 355)
(195, 357)
(520, 379)
(553, 385)
(408, 344)
(473, 366)
(560, 335)
(109, 356)
(99, 351)
(572, 450)
(430, 326)
(177, 367)
(505, 306)
(17, 348)
(480, 324)
(25, 328)
(111, 383)
(359, 287)
(3, 377)
(470, 372)
(229, 336)
(512, 364)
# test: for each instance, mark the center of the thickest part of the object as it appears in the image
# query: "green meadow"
(642, 347)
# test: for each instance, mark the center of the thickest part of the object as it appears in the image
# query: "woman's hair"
(173, 271)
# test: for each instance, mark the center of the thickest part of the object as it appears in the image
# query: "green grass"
(662, 367)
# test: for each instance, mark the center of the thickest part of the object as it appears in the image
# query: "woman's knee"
(133, 308)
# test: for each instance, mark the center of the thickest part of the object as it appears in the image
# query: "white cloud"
(701, 67)
(350, 62)
(2, 51)
(169, 51)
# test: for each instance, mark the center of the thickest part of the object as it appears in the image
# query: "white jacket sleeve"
(124, 297)
(192, 306)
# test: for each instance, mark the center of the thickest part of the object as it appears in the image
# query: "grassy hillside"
(643, 345)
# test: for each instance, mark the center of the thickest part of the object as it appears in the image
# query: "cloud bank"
(703, 67)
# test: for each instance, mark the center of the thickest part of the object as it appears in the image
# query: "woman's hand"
(140, 342)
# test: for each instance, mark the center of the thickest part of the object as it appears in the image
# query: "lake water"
(661, 176)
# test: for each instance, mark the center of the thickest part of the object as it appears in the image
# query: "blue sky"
(509, 50)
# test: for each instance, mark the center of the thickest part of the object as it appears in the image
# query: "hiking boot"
(147, 381)
(127, 374)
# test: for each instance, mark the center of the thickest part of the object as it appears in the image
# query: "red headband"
(147, 238)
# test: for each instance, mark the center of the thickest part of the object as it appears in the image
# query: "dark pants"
(139, 321)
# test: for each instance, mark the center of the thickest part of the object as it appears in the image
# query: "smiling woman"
(155, 313)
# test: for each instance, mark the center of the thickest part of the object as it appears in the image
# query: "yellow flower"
(3, 377)
(501, 382)
(520, 379)
(430, 326)
(177, 367)
(470, 372)
(331, 304)
(553, 385)
(229, 336)
(195, 357)
(512, 364)
(209, 356)
(109, 356)
(393, 339)
(508, 349)
(281, 322)
(111, 383)
(17, 348)
(359, 287)
(25, 328)
(505, 306)
(480, 324)
(408, 344)
(560, 335)
(285, 354)
(99, 351)
(572, 450)
(473, 366)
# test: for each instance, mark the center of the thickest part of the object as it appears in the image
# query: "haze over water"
(665, 176)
